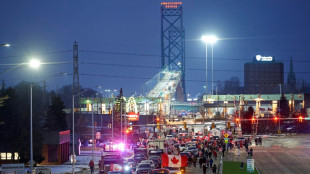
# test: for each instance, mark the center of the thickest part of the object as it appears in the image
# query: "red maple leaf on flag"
(174, 160)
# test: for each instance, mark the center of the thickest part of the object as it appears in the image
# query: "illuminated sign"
(132, 116)
(171, 4)
(264, 58)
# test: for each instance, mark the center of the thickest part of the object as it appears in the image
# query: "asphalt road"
(279, 155)
(284, 155)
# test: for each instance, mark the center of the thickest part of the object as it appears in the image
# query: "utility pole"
(112, 124)
(121, 119)
(92, 130)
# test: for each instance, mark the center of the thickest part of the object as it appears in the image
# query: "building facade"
(263, 76)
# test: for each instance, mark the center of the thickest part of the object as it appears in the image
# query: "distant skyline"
(119, 41)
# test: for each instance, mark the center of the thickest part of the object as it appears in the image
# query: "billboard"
(132, 116)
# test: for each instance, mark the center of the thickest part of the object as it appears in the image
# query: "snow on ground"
(81, 165)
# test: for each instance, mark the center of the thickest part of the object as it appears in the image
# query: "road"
(284, 155)
(280, 155)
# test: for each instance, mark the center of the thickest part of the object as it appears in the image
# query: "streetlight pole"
(121, 120)
(112, 123)
(207, 69)
(92, 130)
(212, 69)
(73, 149)
(31, 145)
(34, 63)
(211, 40)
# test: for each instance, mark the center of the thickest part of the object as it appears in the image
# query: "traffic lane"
(278, 160)
(196, 170)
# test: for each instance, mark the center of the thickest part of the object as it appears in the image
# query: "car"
(43, 170)
(160, 171)
(174, 170)
(115, 172)
(194, 150)
(139, 157)
(185, 153)
(144, 168)
(156, 160)
(291, 128)
(149, 162)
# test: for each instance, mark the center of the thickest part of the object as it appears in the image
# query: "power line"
(186, 57)
(42, 53)
(144, 55)
(191, 69)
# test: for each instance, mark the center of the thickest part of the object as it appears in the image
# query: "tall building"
(263, 76)
(291, 79)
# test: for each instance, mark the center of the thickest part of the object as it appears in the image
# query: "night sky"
(111, 33)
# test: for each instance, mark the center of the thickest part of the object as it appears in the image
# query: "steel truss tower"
(173, 42)
(76, 80)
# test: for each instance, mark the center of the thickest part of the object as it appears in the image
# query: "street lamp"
(5, 45)
(211, 40)
(34, 64)
(73, 152)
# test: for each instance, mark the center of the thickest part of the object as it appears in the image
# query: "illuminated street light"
(5, 45)
(209, 39)
(34, 63)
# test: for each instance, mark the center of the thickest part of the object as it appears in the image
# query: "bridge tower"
(173, 42)
(76, 80)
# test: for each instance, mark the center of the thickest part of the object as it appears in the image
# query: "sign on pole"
(250, 165)
(226, 140)
(13, 168)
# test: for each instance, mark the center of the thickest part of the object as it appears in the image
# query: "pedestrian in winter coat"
(251, 151)
(204, 169)
(91, 166)
(211, 162)
(200, 162)
(214, 168)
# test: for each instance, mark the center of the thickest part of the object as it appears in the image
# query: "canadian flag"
(173, 160)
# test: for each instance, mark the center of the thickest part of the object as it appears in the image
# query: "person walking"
(91, 166)
(214, 168)
(211, 162)
(200, 162)
(251, 151)
(194, 160)
(204, 169)
(214, 154)
(190, 160)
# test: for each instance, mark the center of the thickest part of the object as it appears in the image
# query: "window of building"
(3, 156)
(16, 156)
(8, 156)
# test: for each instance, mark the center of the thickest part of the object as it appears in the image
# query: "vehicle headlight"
(127, 168)
(179, 172)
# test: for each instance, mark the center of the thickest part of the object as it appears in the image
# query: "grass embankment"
(233, 167)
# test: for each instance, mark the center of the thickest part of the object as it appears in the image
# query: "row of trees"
(268, 126)
(48, 115)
